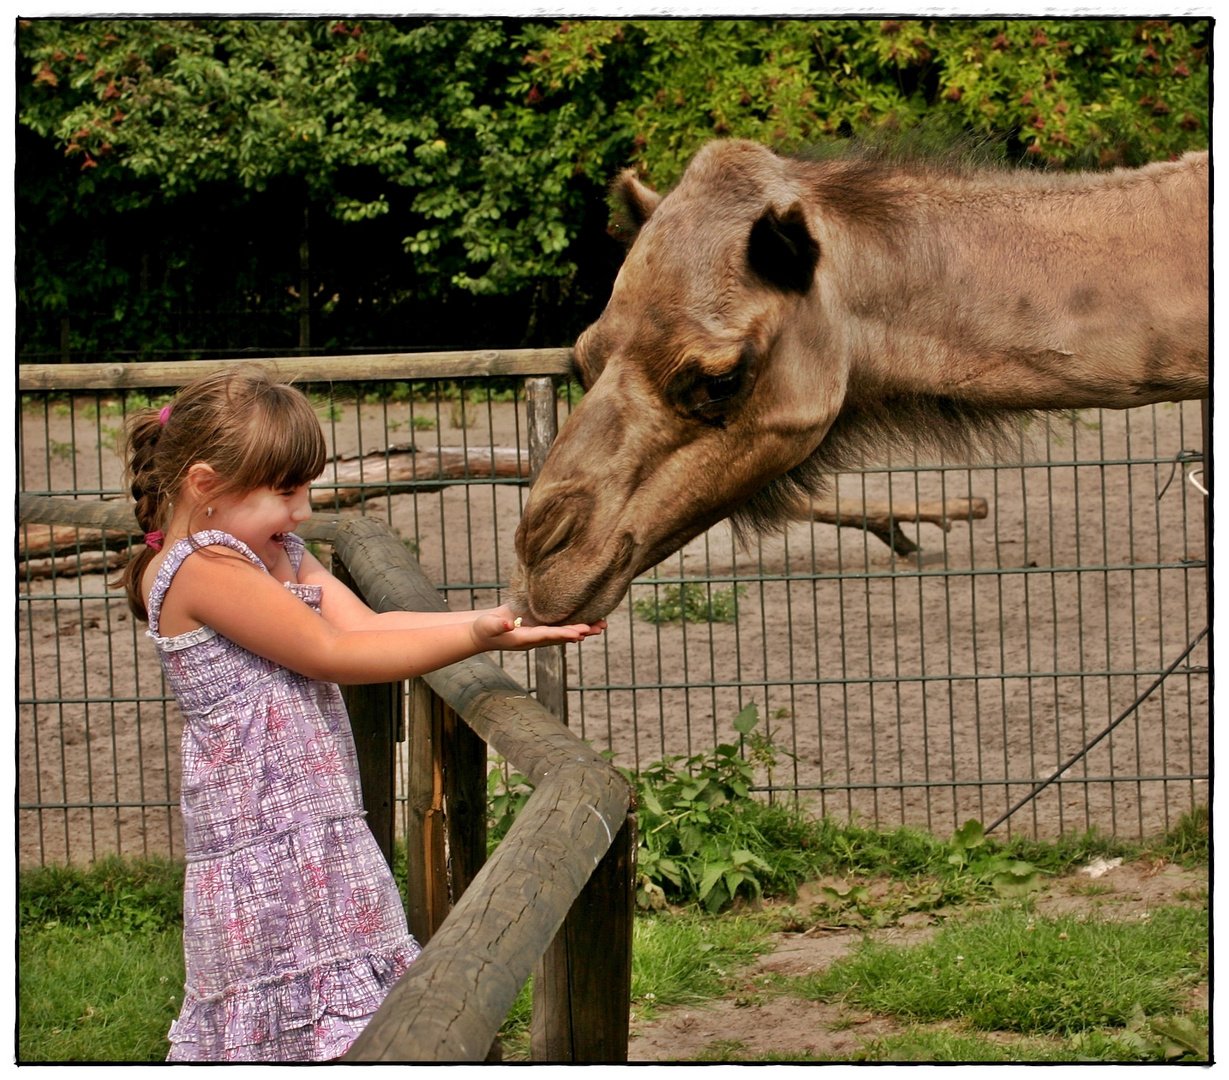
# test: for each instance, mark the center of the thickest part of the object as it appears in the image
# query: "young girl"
(293, 926)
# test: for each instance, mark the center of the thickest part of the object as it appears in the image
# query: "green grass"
(677, 959)
(101, 969)
(1007, 970)
(86, 995)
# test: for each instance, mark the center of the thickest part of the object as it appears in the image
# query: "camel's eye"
(722, 387)
(710, 396)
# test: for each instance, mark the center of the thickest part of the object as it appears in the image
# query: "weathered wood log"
(88, 562)
(351, 479)
(883, 518)
(306, 369)
(50, 521)
(44, 541)
(582, 988)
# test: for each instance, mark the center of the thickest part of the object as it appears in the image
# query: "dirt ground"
(752, 1019)
(923, 690)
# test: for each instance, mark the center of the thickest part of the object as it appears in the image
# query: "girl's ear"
(200, 481)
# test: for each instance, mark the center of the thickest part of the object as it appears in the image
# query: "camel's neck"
(1075, 294)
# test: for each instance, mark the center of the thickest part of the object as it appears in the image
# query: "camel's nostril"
(558, 536)
(554, 517)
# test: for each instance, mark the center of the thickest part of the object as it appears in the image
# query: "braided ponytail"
(151, 503)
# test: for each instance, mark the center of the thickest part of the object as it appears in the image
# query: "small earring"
(208, 511)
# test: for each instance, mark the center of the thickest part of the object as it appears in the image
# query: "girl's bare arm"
(341, 607)
(246, 605)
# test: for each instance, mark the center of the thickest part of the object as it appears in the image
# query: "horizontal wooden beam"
(302, 369)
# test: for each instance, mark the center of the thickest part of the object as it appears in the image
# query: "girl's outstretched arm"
(241, 602)
(346, 611)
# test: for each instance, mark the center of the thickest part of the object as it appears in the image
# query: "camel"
(775, 319)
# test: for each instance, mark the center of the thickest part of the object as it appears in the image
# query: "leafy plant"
(1007, 876)
(111, 896)
(704, 838)
(507, 793)
(1163, 1038)
(691, 601)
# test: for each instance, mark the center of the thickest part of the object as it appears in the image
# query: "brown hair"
(251, 429)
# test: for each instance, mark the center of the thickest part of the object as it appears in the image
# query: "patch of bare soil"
(756, 1018)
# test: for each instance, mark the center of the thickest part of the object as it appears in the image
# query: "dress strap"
(179, 551)
(295, 546)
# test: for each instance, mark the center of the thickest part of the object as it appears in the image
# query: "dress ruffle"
(310, 1016)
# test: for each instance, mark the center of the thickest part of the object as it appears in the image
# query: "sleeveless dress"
(294, 930)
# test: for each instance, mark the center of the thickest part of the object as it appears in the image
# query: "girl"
(293, 926)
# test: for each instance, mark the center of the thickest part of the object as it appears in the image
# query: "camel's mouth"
(562, 587)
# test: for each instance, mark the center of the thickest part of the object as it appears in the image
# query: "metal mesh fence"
(921, 688)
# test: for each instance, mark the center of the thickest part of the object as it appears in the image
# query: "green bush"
(692, 601)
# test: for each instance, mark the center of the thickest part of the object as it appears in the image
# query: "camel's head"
(701, 381)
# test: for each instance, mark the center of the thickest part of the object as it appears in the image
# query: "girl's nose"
(302, 506)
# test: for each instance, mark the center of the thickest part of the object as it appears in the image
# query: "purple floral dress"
(294, 930)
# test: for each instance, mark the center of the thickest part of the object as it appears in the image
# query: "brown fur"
(777, 321)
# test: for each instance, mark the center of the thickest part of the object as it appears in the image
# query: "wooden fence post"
(583, 984)
(464, 756)
(550, 666)
(427, 889)
(375, 718)
(375, 714)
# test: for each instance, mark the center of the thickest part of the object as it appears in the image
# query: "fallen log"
(350, 479)
(87, 562)
(47, 541)
(883, 518)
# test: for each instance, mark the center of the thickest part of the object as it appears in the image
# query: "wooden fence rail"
(485, 924)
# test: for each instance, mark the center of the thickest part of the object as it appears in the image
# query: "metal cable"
(1089, 745)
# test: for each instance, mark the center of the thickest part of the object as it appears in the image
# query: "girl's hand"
(498, 631)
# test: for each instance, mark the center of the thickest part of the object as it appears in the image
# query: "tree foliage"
(452, 170)
(1135, 90)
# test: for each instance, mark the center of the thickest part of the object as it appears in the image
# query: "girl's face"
(262, 518)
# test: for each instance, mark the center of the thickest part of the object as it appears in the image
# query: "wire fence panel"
(916, 673)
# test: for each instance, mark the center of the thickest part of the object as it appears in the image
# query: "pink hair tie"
(164, 415)
(154, 539)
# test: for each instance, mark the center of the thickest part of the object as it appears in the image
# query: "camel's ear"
(782, 251)
(631, 205)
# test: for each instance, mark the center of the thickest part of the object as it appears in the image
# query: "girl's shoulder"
(225, 554)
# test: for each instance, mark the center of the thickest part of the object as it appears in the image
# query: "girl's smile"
(262, 518)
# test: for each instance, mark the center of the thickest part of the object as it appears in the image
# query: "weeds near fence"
(691, 601)
(707, 839)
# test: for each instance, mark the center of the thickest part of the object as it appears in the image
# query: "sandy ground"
(922, 690)
(753, 1018)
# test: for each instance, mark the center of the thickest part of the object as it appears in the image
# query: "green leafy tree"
(358, 113)
(652, 92)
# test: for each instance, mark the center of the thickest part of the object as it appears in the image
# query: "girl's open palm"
(495, 631)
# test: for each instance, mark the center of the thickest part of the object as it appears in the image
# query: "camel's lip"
(589, 600)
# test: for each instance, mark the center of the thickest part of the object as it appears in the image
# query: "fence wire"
(898, 686)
